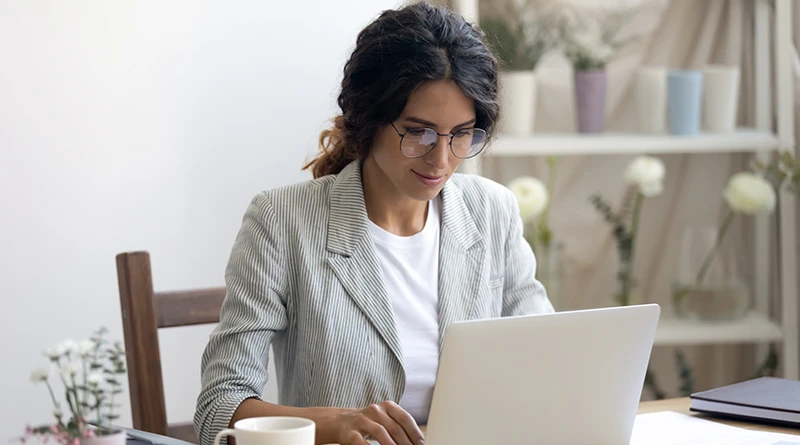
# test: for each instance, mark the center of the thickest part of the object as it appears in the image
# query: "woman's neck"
(387, 207)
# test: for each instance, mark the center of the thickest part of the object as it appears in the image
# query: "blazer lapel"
(461, 260)
(352, 255)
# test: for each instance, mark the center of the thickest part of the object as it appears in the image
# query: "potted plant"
(645, 179)
(590, 41)
(91, 373)
(520, 34)
(708, 286)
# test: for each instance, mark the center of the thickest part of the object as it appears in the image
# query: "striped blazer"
(303, 277)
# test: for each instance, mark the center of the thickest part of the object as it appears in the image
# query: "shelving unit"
(743, 140)
(754, 327)
(762, 141)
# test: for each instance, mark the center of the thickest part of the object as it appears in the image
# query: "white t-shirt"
(410, 266)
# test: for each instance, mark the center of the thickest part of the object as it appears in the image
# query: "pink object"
(590, 100)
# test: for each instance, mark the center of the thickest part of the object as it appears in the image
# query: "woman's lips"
(429, 180)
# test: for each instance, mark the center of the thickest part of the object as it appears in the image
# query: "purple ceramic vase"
(590, 100)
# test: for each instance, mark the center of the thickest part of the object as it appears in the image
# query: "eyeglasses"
(464, 144)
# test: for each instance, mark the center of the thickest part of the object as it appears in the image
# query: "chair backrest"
(144, 311)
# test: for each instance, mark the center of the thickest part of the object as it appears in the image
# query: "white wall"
(145, 125)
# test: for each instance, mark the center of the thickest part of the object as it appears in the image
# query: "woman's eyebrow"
(431, 124)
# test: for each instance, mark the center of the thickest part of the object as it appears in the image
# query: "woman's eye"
(416, 131)
(463, 133)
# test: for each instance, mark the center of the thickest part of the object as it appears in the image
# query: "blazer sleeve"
(234, 363)
(523, 294)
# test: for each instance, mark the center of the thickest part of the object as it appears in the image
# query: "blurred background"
(150, 125)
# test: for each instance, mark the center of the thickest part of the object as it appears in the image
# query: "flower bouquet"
(710, 288)
(590, 42)
(645, 179)
(644, 176)
(520, 33)
(89, 372)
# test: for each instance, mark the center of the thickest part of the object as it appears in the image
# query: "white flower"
(40, 375)
(70, 370)
(531, 195)
(651, 189)
(94, 378)
(749, 193)
(54, 353)
(69, 346)
(591, 46)
(58, 413)
(85, 347)
(647, 173)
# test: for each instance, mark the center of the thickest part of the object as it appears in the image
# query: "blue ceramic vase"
(684, 100)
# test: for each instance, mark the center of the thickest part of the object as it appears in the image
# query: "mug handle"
(223, 433)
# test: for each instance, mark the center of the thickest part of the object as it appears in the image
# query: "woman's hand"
(385, 422)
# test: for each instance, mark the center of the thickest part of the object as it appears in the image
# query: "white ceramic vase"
(720, 98)
(518, 102)
(651, 99)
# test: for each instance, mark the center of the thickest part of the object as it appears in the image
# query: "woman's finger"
(354, 438)
(406, 421)
(370, 427)
(379, 414)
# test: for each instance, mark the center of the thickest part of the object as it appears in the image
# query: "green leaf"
(605, 210)
(770, 364)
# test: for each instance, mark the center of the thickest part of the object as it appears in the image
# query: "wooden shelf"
(754, 327)
(743, 140)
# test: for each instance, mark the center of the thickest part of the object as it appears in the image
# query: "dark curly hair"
(394, 55)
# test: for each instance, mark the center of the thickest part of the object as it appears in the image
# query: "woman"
(354, 276)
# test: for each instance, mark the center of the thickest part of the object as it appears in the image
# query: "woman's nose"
(440, 154)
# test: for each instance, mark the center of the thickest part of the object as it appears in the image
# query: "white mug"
(271, 431)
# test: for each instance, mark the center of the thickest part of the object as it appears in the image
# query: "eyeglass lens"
(465, 143)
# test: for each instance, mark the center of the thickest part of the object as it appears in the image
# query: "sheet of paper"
(671, 428)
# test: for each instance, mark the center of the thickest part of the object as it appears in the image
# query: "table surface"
(682, 405)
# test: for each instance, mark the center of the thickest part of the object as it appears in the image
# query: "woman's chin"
(423, 193)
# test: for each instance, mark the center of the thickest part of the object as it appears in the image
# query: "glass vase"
(707, 285)
(550, 271)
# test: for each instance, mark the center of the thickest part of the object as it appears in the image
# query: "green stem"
(85, 384)
(111, 406)
(720, 235)
(635, 224)
(68, 397)
(626, 284)
(551, 184)
(77, 398)
(97, 402)
(55, 402)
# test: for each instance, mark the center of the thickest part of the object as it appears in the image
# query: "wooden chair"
(144, 311)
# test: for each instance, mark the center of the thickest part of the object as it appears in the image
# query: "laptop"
(571, 378)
